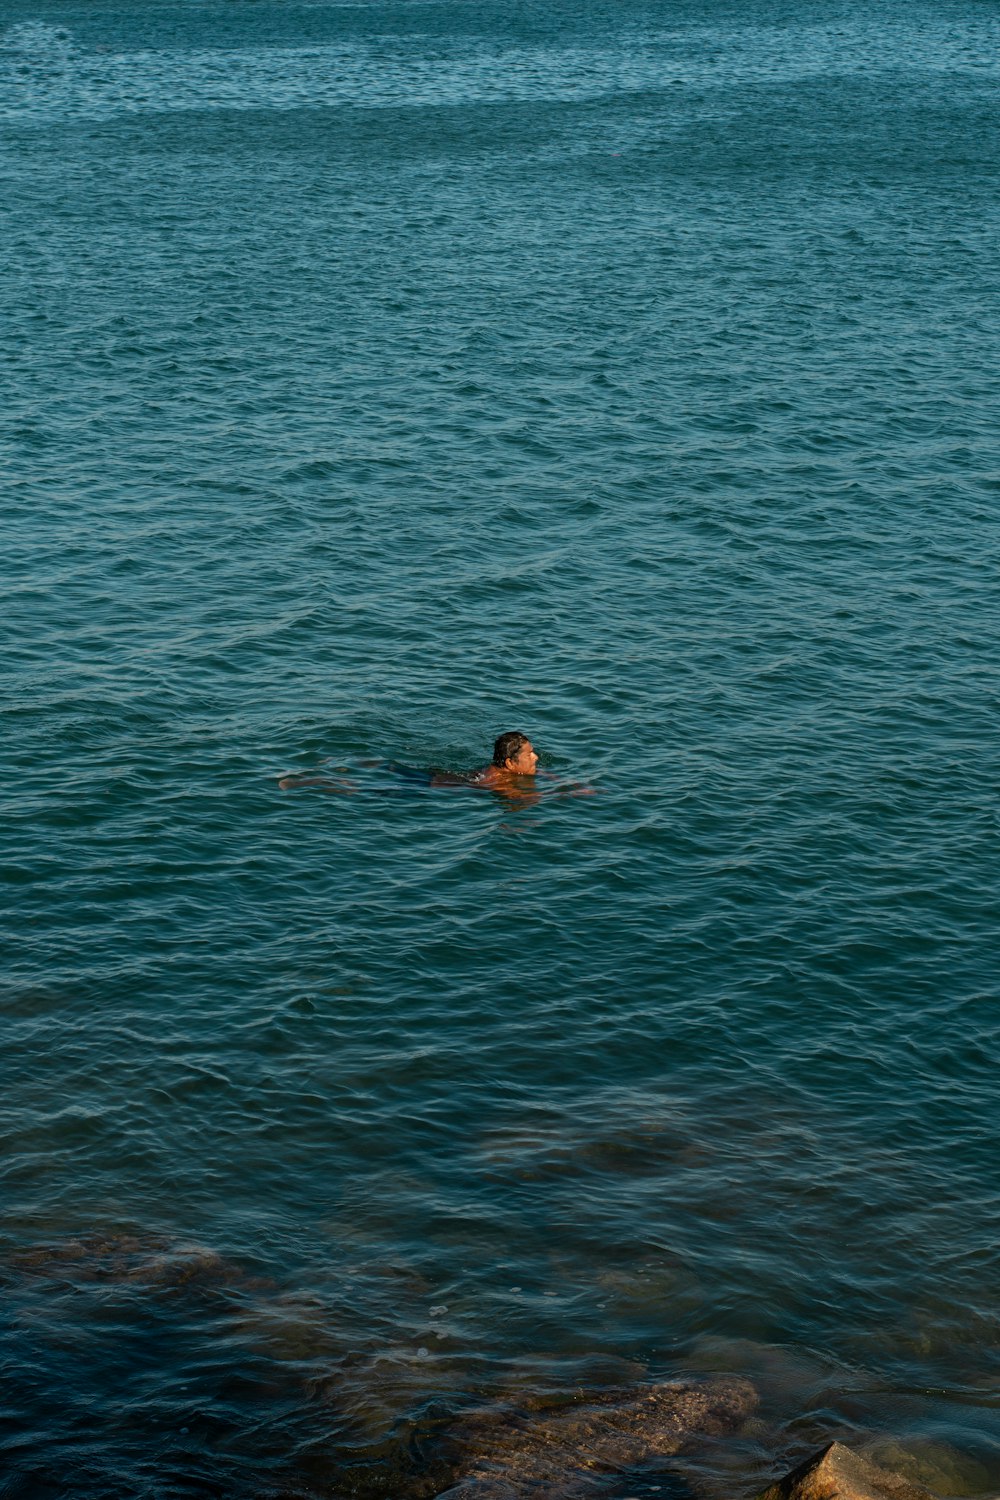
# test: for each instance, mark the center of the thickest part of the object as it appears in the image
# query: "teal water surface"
(376, 377)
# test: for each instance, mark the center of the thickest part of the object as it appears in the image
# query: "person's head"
(513, 752)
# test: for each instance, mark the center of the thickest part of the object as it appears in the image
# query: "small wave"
(316, 468)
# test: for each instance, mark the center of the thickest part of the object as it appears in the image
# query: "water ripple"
(377, 377)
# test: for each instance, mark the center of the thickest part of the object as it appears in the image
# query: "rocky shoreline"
(527, 1447)
(512, 1456)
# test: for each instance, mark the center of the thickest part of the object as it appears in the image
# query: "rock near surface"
(836, 1473)
(561, 1454)
(147, 1261)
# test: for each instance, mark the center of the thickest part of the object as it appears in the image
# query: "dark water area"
(377, 377)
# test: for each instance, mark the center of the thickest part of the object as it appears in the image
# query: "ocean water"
(377, 377)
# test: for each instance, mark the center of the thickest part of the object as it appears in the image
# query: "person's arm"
(322, 783)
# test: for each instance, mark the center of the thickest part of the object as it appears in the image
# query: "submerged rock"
(926, 1461)
(140, 1260)
(510, 1454)
(835, 1473)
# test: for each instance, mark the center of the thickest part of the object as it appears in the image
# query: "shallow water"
(377, 377)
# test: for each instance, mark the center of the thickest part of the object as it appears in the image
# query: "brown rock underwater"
(510, 1453)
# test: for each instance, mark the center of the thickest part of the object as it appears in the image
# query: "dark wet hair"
(507, 746)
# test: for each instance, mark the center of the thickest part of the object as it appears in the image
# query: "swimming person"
(514, 757)
(514, 761)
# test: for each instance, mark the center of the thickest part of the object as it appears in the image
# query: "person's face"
(524, 762)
